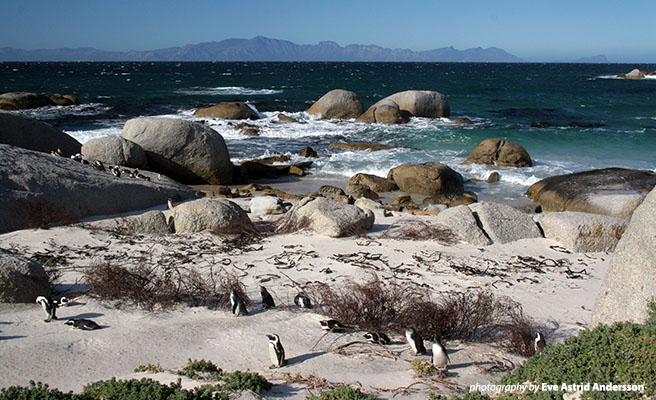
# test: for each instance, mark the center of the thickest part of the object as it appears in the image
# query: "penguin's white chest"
(440, 358)
(273, 354)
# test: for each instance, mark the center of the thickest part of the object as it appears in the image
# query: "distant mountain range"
(599, 59)
(264, 49)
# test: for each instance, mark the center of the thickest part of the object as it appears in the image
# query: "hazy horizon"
(554, 32)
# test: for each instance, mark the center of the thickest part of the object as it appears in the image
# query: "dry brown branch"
(418, 230)
(161, 287)
(41, 214)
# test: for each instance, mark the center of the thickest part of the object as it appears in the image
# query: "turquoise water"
(569, 117)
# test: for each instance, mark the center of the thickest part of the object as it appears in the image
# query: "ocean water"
(569, 117)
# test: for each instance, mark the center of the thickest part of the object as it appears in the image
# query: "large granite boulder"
(187, 151)
(35, 135)
(21, 280)
(421, 103)
(385, 111)
(228, 110)
(26, 100)
(264, 205)
(583, 232)
(429, 179)
(33, 183)
(504, 224)
(326, 217)
(610, 191)
(217, 215)
(360, 191)
(62, 99)
(451, 199)
(630, 282)
(115, 150)
(338, 104)
(148, 223)
(461, 221)
(499, 152)
(375, 183)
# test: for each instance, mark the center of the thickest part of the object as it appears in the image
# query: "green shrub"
(468, 396)
(147, 389)
(245, 380)
(423, 368)
(651, 313)
(623, 353)
(36, 391)
(344, 392)
(149, 368)
(201, 369)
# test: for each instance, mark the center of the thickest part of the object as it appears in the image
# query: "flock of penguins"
(277, 351)
(97, 164)
(440, 358)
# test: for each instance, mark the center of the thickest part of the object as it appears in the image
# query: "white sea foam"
(53, 112)
(228, 90)
(84, 136)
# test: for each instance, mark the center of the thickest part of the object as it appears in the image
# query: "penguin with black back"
(440, 356)
(82, 324)
(302, 301)
(276, 351)
(267, 299)
(238, 305)
(539, 343)
(415, 341)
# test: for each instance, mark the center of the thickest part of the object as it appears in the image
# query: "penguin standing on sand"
(83, 324)
(415, 341)
(238, 305)
(267, 299)
(302, 301)
(276, 351)
(377, 337)
(539, 343)
(440, 357)
(49, 307)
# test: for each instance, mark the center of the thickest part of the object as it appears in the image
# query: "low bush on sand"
(162, 287)
(473, 315)
(344, 392)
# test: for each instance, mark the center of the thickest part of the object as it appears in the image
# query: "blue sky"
(533, 30)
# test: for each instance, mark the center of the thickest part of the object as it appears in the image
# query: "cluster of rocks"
(394, 109)
(25, 100)
(636, 74)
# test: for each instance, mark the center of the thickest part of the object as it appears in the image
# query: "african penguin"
(171, 224)
(98, 165)
(440, 357)
(302, 301)
(415, 341)
(539, 343)
(77, 157)
(116, 171)
(83, 324)
(170, 204)
(238, 305)
(267, 299)
(276, 351)
(377, 337)
(332, 325)
(49, 307)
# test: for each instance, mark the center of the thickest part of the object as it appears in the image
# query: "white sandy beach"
(31, 349)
